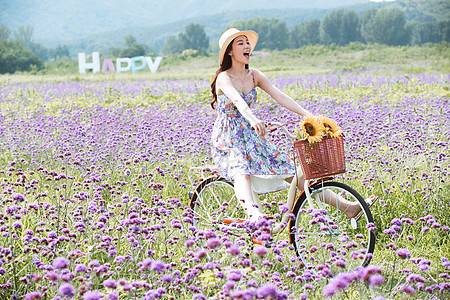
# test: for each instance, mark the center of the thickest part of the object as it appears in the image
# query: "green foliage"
(307, 59)
(15, 57)
(385, 26)
(24, 35)
(273, 33)
(5, 32)
(171, 46)
(422, 33)
(132, 49)
(61, 66)
(194, 37)
(340, 27)
(130, 40)
(444, 30)
(306, 33)
(423, 10)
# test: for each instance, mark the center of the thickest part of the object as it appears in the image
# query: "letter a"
(83, 65)
(108, 65)
(153, 66)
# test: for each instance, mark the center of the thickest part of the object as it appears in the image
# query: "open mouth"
(247, 55)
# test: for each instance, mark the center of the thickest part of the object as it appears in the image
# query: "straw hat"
(231, 34)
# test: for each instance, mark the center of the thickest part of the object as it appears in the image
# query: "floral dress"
(237, 149)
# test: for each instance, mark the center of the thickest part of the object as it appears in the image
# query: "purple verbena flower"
(92, 295)
(33, 296)
(234, 275)
(213, 243)
(80, 268)
(403, 253)
(93, 263)
(113, 296)
(267, 290)
(376, 279)
(158, 266)
(234, 250)
(408, 289)
(66, 290)
(110, 283)
(260, 251)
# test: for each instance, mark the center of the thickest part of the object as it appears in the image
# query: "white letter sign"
(153, 66)
(83, 65)
(122, 64)
(119, 62)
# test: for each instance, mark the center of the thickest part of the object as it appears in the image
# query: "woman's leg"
(243, 191)
(350, 209)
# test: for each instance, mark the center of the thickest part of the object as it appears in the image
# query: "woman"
(240, 148)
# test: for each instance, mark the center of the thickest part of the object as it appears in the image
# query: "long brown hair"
(226, 64)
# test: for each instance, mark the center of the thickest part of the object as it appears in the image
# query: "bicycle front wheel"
(323, 233)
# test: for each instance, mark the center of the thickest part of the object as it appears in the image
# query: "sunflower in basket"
(311, 128)
(331, 127)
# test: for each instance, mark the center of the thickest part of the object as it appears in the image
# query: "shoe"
(268, 244)
(370, 201)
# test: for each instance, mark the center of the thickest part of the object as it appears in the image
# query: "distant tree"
(444, 30)
(171, 46)
(278, 35)
(194, 37)
(385, 26)
(422, 33)
(273, 33)
(42, 52)
(114, 51)
(5, 32)
(306, 33)
(340, 27)
(130, 40)
(132, 48)
(15, 57)
(60, 52)
(366, 25)
(24, 35)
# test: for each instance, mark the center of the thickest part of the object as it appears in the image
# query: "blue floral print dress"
(237, 149)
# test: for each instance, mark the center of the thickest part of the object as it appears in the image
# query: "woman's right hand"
(260, 128)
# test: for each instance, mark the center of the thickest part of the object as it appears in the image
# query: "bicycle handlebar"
(283, 126)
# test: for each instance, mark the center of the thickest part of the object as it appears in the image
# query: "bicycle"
(318, 232)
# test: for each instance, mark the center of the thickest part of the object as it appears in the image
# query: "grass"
(313, 59)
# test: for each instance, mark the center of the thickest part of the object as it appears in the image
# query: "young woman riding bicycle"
(241, 149)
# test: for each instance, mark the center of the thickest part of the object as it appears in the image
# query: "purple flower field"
(94, 191)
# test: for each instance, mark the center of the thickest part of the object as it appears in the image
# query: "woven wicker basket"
(321, 159)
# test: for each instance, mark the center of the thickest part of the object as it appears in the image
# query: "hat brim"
(250, 34)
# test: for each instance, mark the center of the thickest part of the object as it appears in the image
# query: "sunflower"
(312, 128)
(331, 127)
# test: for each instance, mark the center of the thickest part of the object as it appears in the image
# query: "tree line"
(340, 27)
(18, 52)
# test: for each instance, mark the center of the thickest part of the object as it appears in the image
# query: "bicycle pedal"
(232, 221)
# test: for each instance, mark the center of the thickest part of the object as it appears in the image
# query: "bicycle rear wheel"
(324, 234)
(215, 207)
